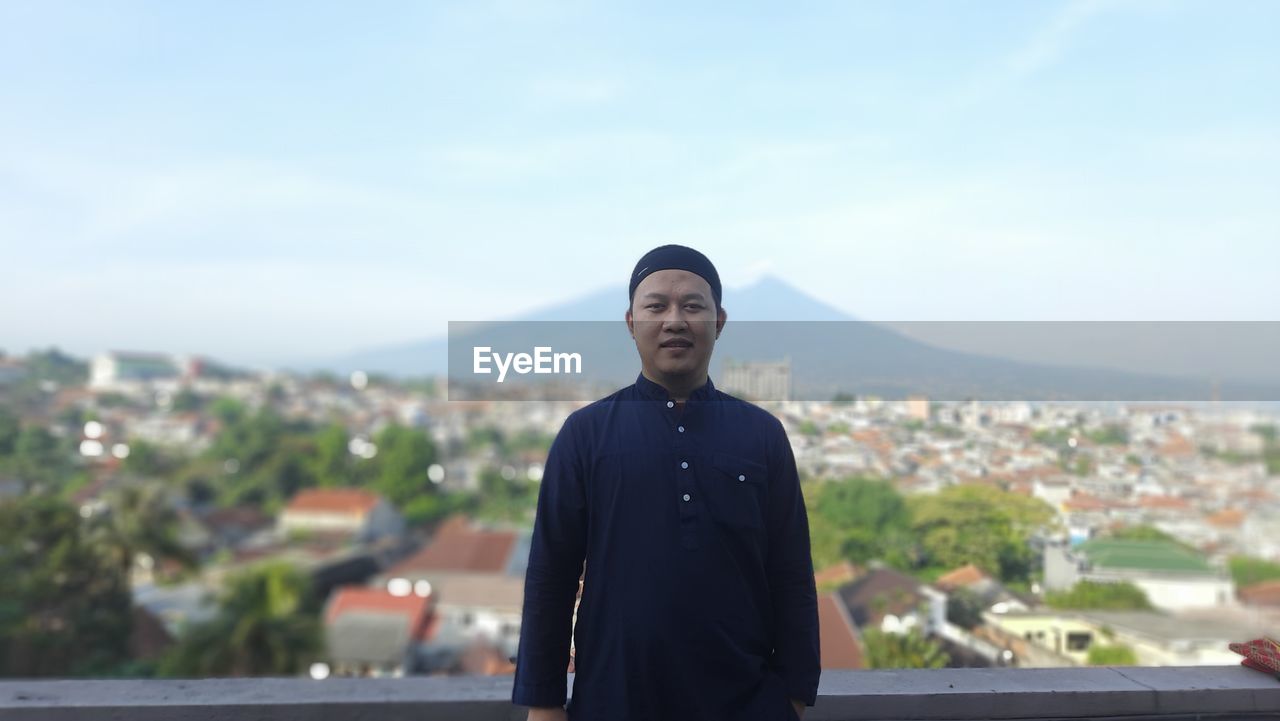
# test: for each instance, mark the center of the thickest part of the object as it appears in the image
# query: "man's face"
(674, 320)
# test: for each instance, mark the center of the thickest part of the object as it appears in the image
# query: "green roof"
(1143, 555)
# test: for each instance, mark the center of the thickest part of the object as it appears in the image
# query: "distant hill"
(830, 352)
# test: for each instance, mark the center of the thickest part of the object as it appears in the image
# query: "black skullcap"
(675, 257)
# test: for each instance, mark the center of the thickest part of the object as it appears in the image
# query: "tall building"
(758, 380)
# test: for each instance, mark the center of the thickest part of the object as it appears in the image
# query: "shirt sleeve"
(556, 554)
(790, 570)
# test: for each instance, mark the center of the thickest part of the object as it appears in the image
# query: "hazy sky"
(270, 181)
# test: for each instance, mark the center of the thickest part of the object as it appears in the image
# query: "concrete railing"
(1210, 692)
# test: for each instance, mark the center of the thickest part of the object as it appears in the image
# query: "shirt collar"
(659, 393)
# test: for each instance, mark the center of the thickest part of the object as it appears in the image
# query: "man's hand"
(551, 713)
(799, 707)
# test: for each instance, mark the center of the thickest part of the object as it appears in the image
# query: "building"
(1173, 577)
(373, 632)
(758, 380)
(364, 515)
(1157, 639)
(477, 575)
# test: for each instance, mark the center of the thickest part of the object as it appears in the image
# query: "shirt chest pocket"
(737, 491)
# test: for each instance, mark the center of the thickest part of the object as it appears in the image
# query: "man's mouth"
(677, 344)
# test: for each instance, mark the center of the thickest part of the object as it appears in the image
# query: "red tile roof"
(461, 549)
(334, 500)
(838, 640)
(415, 608)
(961, 577)
(1266, 593)
(1227, 518)
(841, 572)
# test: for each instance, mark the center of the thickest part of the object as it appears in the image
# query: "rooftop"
(1159, 556)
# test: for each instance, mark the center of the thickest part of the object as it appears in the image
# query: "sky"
(270, 182)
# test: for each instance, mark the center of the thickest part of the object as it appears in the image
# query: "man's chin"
(677, 370)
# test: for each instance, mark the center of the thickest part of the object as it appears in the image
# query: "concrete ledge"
(1226, 692)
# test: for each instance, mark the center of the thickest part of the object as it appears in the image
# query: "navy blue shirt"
(698, 596)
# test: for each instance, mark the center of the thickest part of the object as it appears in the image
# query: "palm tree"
(267, 624)
(139, 520)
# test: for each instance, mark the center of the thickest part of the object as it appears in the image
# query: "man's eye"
(694, 306)
(654, 306)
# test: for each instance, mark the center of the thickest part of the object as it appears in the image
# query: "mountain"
(830, 352)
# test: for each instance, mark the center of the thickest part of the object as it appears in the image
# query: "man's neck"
(679, 386)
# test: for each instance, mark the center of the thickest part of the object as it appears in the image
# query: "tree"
(981, 525)
(332, 462)
(1246, 571)
(1092, 595)
(139, 520)
(10, 427)
(267, 624)
(964, 608)
(63, 611)
(1116, 655)
(858, 519)
(40, 458)
(909, 650)
(404, 456)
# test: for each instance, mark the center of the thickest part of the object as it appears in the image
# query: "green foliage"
(65, 610)
(503, 500)
(1246, 571)
(404, 455)
(139, 520)
(857, 519)
(910, 650)
(267, 624)
(332, 464)
(186, 400)
(1056, 438)
(54, 365)
(1266, 430)
(41, 459)
(1116, 655)
(964, 608)
(1111, 434)
(981, 525)
(149, 460)
(10, 427)
(1092, 595)
(809, 428)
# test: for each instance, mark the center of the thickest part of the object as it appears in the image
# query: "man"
(698, 599)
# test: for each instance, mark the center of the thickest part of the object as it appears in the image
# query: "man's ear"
(630, 324)
(721, 318)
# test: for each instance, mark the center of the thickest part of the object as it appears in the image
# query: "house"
(1194, 638)
(886, 599)
(477, 575)
(363, 515)
(993, 596)
(374, 632)
(1173, 577)
(839, 642)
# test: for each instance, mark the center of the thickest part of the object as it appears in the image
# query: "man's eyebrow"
(663, 296)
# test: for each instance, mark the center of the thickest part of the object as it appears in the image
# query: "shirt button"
(680, 428)
(686, 496)
(684, 464)
(742, 478)
(671, 404)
